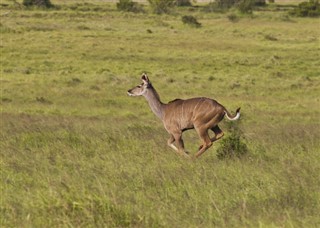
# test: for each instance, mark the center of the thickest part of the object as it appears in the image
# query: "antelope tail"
(232, 117)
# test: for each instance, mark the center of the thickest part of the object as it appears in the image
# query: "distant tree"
(41, 3)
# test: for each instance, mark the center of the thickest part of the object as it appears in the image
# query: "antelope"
(179, 115)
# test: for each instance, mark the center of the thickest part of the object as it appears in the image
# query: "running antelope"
(179, 115)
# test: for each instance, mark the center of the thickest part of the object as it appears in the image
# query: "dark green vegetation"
(129, 6)
(191, 20)
(39, 3)
(76, 151)
(307, 9)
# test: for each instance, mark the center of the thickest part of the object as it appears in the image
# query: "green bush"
(307, 9)
(161, 6)
(40, 3)
(233, 145)
(191, 20)
(129, 6)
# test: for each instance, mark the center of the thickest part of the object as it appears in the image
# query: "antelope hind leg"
(206, 142)
(218, 133)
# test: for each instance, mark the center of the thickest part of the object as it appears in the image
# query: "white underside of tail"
(235, 118)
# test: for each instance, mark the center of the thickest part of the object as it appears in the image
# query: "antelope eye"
(139, 86)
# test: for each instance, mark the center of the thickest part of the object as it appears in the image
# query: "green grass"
(76, 151)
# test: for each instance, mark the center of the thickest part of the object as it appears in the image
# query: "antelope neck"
(154, 101)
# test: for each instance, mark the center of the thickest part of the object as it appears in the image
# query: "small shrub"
(246, 6)
(211, 78)
(307, 9)
(233, 17)
(270, 37)
(74, 82)
(161, 6)
(191, 20)
(226, 4)
(233, 145)
(40, 3)
(220, 6)
(259, 2)
(211, 8)
(183, 3)
(129, 6)
(43, 100)
(83, 27)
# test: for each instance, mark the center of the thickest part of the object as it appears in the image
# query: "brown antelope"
(179, 115)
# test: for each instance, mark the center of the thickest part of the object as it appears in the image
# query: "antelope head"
(141, 89)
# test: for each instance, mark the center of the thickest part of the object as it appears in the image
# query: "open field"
(76, 151)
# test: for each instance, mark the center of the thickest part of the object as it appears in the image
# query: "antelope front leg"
(180, 144)
(170, 143)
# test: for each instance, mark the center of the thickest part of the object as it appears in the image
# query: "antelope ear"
(145, 78)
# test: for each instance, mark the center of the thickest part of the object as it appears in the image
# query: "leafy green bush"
(41, 3)
(191, 20)
(161, 6)
(307, 9)
(232, 146)
(129, 6)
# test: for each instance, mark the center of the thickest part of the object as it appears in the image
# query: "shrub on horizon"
(40, 3)
(244, 6)
(161, 6)
(183, 3)
(307, 9)
(129, 6)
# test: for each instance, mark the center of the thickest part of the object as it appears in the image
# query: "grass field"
(76, 151)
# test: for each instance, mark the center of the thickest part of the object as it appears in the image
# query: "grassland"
(77, 152)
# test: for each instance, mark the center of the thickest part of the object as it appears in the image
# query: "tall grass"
(77, 152)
